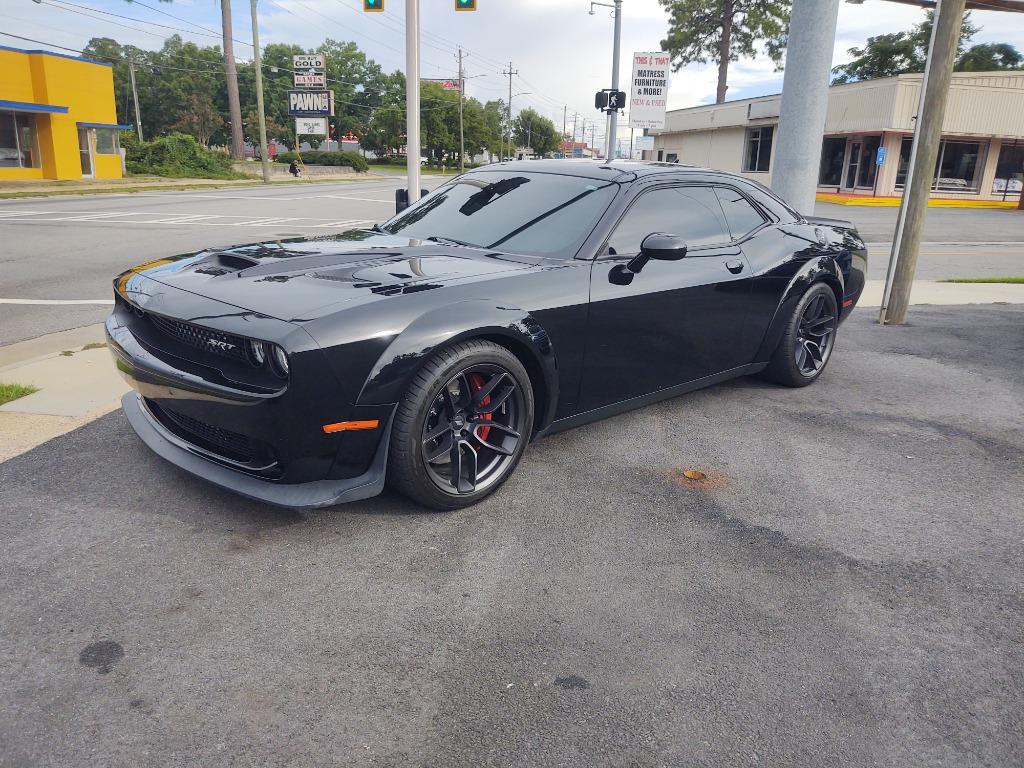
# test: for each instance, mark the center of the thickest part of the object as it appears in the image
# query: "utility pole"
(565, 123)
(510, 73)
(412, 98)
(613, 122)
(258, 66)
(462, 132)
(135, 97)
(575, 117)
(231, 76)
(812, 34)
(593, 131)
(927, 134)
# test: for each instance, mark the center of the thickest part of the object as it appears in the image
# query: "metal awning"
(27, 106)
(118, 126)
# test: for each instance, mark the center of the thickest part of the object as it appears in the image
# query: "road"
(842, 589)
(69, 248)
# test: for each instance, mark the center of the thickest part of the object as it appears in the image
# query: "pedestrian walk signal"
(373, 6)
(465, 5)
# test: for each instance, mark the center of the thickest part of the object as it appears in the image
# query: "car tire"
(807, 340)
(462, 371)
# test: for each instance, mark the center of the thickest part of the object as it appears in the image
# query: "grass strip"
(10, 392)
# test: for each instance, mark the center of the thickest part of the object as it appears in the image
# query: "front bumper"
(224, 421)
(318, 493)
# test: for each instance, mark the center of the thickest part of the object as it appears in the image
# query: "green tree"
(531, 129)
(898, 53)
(990, 57)
(723, 31)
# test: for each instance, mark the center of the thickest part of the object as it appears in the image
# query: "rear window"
(539, 214)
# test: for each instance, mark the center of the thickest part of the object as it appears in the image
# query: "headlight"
(279, 360)
(257, 353)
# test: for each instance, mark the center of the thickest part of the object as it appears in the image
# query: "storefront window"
(758, 155)
(107, 141)
(830, 173)
(957, 168)
(1010, 170)
(18, 141)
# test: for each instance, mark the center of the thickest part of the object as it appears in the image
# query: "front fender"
(820, 269)
(511, 327)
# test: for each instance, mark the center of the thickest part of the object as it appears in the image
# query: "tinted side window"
(741, 216)
(692, 213)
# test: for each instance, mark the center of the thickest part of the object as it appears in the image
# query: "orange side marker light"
(351, 426)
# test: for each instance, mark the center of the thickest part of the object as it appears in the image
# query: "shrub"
(177, 156)
(315, 157)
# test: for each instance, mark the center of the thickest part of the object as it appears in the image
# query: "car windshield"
(539, 214)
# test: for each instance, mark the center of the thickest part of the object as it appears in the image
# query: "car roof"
(615, 170)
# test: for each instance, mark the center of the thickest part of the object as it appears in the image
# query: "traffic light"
(465, 5)
(373, 6)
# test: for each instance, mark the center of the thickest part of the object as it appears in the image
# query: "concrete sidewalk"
(76, 382)
(933, 292)
(49, 187)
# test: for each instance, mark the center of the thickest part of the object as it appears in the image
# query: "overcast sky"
(561, 52)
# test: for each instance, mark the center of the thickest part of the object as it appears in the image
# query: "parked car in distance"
(512, 302)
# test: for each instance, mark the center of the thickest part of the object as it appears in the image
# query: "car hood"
(303, 279)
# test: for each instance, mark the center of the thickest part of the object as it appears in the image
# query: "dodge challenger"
(512, 302)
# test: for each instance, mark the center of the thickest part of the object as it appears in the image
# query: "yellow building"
(57, 117)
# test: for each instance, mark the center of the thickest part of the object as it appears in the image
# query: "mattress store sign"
(648, 95)
(310, 103)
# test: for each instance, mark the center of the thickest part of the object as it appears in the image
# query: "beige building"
(868, 135)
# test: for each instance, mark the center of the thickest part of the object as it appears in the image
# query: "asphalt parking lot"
(842, 588)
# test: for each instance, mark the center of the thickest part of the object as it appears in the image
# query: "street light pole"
(412, 97)
(812, 34)
(258, 66)
(614, 123)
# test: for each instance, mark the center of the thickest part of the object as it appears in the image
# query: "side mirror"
(660, 247)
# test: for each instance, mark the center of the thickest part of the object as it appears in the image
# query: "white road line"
(26, 213)
(360, 199)
(93, 216)
(354, 223)
(57, 302)
(181, 218)
(267, 222)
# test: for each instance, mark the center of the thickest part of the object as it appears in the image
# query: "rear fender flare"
(823, 269)
(511, 327)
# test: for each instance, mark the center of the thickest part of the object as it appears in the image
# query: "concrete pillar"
(812, 34)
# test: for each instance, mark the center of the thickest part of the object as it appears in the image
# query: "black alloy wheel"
(473, 429)
(462, 427)
(807, 340)
(816, 331)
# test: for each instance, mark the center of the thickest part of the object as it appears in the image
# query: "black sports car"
(513, 301)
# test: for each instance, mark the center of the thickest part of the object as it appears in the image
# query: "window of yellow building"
(18, 147)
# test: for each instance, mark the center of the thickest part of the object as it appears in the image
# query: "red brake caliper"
(476, 383)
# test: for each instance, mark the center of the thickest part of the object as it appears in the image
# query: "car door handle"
(734, 266)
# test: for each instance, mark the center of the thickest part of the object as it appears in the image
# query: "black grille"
(215, 342)
(229, 444)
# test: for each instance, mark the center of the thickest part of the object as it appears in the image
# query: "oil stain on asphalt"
(102, 655)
